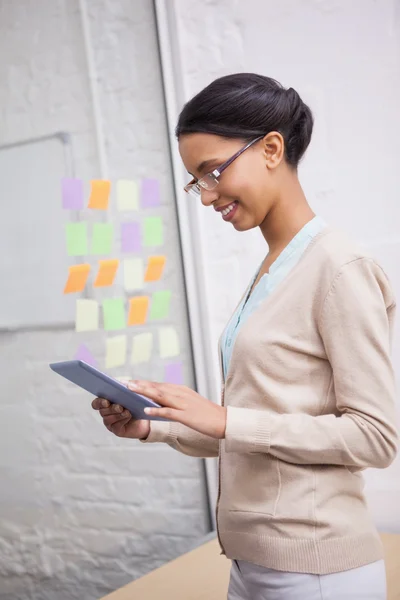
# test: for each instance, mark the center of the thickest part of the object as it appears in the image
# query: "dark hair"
(246, 105)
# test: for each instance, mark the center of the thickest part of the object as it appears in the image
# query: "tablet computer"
(103, 386)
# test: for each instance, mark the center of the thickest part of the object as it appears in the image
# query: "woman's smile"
(228, 210)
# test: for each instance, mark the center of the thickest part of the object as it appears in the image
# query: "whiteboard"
(33, 258)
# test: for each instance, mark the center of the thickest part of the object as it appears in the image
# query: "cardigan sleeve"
(183, 439)
(355, 324)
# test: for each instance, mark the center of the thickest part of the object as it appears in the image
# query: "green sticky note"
(76, 239)
(160, 305)
(153, 231)
(102, 237)
(114, 314)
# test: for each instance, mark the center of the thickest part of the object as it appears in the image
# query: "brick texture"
(81, 511)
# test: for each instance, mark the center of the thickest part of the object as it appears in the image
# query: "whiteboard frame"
(192, 247)
(65, 139)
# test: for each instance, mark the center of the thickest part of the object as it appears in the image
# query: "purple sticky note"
(84, 354)
(131, 237)
(72, 193)
(173, 373)
(150, 193)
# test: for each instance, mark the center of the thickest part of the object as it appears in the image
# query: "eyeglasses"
(211, 180)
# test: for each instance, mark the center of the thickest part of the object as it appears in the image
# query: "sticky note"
(77, 278)
(138, 308)
(131, 239)
(72, 193)
(173, 373)
(142, 345)
(133, 274)
(99, 194)
(116, 351)
(155, 268)
(168, 342)
(150, 193)
(76, 234)
(160, 305)
(102, 237)
(87, 315)
(83, 353)
(153, 231)
(124, 378)
(113, 314)
(106, 273)
(127, 195)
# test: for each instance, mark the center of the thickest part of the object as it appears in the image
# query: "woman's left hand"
(180, 403)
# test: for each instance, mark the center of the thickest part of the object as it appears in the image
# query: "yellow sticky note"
(99, 194)
(127, 195)
(168, 342)
(77, 278)
(142, 345)
(106, 273)
(133, 274)
(155, 268)
(138, 308)
(116, 351)
(125, 379)
(87, 315)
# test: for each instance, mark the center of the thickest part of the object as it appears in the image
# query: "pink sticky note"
(131, 237)
(150, 193)
(72, 193)
(84, 354)
(173, 373)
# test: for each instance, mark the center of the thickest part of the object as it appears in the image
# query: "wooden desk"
(203, 574)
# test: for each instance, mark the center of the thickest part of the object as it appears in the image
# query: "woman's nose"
(208, 197)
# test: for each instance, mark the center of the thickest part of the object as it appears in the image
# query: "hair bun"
(299, 126)
(245, 106)
(296, 104)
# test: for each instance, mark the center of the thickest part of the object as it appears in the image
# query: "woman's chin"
(243, 225)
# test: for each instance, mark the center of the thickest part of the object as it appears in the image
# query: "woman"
(308, 395)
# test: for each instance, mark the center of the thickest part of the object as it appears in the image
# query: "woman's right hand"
(119, 420)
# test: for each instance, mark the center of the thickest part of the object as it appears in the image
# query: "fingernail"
(105, 403)
(119, 408)
(147, 411)
(132, 385)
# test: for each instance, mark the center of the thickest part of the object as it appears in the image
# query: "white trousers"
(251, 582)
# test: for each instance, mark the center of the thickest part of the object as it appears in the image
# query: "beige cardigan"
(310, 399)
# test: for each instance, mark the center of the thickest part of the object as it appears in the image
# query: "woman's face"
(249, 186)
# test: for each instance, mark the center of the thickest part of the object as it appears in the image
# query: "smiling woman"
(308, 394)
(251, 112)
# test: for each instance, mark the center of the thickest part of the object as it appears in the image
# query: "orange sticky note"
(106, 273)
(77, 278)
(155, 268)
(99, 194)
(138, 308)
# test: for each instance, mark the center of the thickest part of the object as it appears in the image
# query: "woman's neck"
(286, 218)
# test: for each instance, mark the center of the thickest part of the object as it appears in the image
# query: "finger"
(100, 403)
(112, 410)
(156, 392)
(118, 427)
(166, 412)
(112, 419)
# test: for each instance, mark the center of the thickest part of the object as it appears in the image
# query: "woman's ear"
(274, 148)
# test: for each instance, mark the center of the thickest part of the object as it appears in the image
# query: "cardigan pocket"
(260, 492)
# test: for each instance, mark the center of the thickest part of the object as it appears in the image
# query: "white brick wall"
(343, 57)
(82, 512)
(73, 522)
